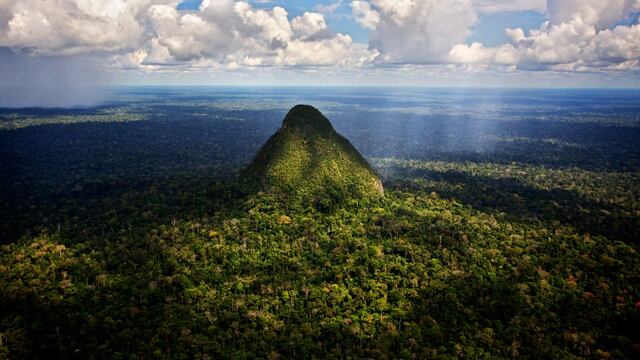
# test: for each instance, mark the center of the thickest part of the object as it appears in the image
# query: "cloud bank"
(224, 35)
(581, 35)
(141, 33)
(417, 31)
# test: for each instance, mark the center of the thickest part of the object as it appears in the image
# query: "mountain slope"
(307, 155)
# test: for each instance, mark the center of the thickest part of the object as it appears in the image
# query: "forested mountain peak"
(308, 156)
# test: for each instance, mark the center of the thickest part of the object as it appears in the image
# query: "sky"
(69, 46)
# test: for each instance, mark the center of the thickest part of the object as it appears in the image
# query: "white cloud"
(230, 32)
(73, 26)
(578, 37)
(220, 32)
(365, 15)
(409, 31)
(337, 51)
(309, 25)
(598, 13)
(227, 34)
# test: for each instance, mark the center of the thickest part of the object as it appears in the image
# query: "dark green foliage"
(135, 242)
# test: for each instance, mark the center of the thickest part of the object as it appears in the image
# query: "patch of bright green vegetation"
(308, 156)
(117, 115)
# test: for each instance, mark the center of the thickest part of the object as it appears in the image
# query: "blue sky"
(490, 27)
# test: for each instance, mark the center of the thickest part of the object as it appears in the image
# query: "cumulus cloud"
(236, 34)
(310, 25)
(581, 35)
(73, 26)
(152, 33)
(225, 34)
(365, 15)
(409, 31)
(598, 13)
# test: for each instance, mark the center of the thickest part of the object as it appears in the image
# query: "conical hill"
(307, 155)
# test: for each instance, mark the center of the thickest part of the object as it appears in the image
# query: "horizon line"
(369, 86)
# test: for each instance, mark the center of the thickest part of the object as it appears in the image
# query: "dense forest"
(126, 232)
